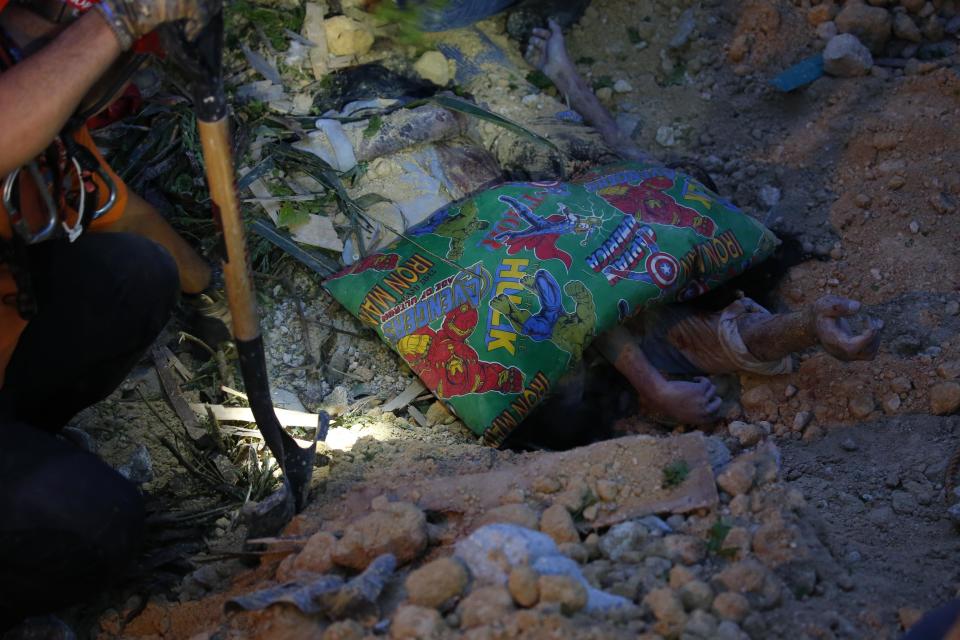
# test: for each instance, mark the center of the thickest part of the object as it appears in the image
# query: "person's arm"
(689, 402)
(39, 94)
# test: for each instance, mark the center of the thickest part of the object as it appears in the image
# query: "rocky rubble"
(711, 573)
(890, 30)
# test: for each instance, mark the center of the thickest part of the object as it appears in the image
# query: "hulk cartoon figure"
(456, 223)
(569, 331)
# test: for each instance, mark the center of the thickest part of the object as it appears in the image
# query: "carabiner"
(20, 226)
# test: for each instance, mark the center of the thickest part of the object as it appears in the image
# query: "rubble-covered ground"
(817, 510)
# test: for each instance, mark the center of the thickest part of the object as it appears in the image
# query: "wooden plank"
(286, 417)
(408, 395)
(416, 415)
(163, 361)
(179, 366)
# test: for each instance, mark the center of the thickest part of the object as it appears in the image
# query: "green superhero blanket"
(492, 299)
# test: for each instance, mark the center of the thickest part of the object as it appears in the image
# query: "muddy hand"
(548, 52)
(133, 19)
(835, 334)
(688, 402)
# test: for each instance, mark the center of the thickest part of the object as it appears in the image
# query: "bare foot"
(548, 52)
(687, 402)
(837, 338)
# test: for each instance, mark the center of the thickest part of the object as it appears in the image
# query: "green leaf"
(539, 79)
(292, 216)
(373, 127)
(470, 109)
(675, 473)
(715, 537)
(602, 82)
(367, 200)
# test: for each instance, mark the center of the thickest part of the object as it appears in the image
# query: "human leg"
(142, 219)
(102, 301)
(68, 522)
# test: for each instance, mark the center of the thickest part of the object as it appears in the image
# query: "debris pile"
(538, 562)
(909, 34)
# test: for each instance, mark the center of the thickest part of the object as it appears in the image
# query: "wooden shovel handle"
(215, 138)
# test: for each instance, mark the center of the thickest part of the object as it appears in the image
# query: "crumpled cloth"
(728, 335)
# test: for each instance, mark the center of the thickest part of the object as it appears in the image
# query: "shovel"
(200, 60)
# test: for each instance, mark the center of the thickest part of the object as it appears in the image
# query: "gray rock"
(655, 525)
(597, 600)
(696, 594)
(327, 594)
(511, 544)
(953, 25)
(848, 444)
(905, 28)
(871, 25)
(80, 438)
(954, 514)
(491, 551)
(729, 630)
(700, 624)
(933, 29)
(827, 30)
(881, 516)
(846, 57)
(623, 540)
(139, 469)
(685, 29)
(769, 195)
(718, 453)
(903, 502)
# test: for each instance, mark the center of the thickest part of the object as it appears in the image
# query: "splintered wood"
(608, 482)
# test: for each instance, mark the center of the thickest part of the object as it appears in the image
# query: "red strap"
(81, 5)
(3, 4)
(149, 43)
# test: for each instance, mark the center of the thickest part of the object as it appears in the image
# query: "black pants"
(68, 522)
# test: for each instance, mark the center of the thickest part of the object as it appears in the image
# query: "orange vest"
(11, 324)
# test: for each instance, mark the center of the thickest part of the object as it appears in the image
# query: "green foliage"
(675, 473)
(633, 35)
(373, 126)
(471, 109)
(715, 537)
(406, 21)
(677, 76)
(243, 16)
(602, 82)
(587, 60)
(539, 79)
(292, 214)
(253, 110)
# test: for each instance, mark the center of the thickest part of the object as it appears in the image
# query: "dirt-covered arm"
(39, 94)
(548, 52)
